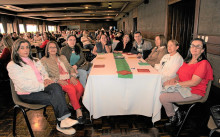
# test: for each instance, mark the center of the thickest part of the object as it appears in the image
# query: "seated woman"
(33, 85)
(102, 47)
(171, 62)
(75, 56)
(194, 73)
(124, 46)
(158, 51)
(29, 37)
(37, 38)
(60, 70)
(5, 56)
(46, 39)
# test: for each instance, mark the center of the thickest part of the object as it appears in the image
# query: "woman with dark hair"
(60, 71)
(195, 73)
(33, 85)
(102, 46)
(75, 56)
(124, 46)
(46, 38)
(158, 51)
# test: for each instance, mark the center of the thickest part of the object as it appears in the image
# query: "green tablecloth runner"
(143, 63)
(121, 64)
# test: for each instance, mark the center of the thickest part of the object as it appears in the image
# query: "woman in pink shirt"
(195, 73)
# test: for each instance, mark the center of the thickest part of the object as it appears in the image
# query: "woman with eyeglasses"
(61, 72)
(34, 86)
(171, 62)
(195, 73)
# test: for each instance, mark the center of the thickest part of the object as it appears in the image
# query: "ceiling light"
(108, 14)
(109, 6)
(7, 7)
(43, 9)
(64, 15)
(87, 20)
(65, 8)
(86, 7)
(110, 3)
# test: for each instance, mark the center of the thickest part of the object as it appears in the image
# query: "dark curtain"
(181, 24)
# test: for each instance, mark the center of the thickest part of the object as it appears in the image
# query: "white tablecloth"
(106, 94)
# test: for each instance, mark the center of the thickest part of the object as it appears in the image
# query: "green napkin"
(143, 63)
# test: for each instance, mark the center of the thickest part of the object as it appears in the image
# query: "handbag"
(215, 112)
(86, 65)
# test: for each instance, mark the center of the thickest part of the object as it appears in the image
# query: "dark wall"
(150, 19)
(209, 25)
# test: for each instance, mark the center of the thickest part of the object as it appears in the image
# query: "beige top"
(156, 55)
(52, 68)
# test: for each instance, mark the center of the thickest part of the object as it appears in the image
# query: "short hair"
(176, 43)
(15, 56)
(47, 48)
(137, 32)
(70, 36)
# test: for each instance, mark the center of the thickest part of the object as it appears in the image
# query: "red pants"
(74, 92)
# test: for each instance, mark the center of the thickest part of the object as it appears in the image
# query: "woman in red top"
(46, 40)
(195, 73)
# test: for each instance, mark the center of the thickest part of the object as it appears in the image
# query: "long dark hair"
(15, 56)
(202, 56)
(76, 47)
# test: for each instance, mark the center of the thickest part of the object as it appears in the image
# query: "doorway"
(181, 23)
(134, 25)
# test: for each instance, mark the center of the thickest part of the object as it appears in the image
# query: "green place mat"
(121, 64)
(143, 63)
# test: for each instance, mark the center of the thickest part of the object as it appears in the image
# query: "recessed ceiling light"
(86, 7)
(65, 8)
(109, 6)
(43, 9)
(64, 15)
(110, 3)
(108, 14)
(7, 7)
(87, 20)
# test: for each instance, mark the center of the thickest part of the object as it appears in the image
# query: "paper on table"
(143, 70)
(99, 66)
(124, 72)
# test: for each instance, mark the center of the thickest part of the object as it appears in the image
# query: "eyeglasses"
(196, 46)
(52, 47)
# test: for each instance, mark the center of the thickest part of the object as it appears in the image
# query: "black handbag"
(215, 112)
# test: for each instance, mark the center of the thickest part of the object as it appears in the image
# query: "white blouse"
(169, 65)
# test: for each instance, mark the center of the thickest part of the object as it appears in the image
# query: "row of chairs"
(24, 107)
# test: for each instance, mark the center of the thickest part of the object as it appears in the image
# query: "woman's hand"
(73, 81)
(62, 82)
(170, 82)
(47, 82)
(75, 68)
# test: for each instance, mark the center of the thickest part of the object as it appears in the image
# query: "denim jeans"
(83, 76)
(52, 95)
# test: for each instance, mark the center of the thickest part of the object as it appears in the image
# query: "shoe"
(68, 122)
(81, 120)
(67, 131)
(171, 121)
(180, 115)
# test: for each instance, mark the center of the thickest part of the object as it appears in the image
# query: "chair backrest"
(203, 99)
(17, 101)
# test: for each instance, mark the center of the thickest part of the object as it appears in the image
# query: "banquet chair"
(24, 107)
(212, 126)
(191, 104)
